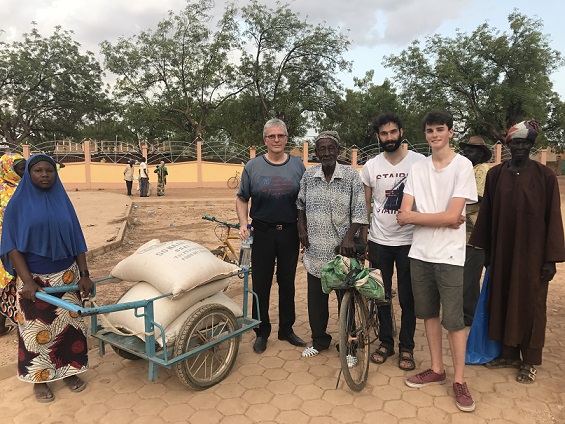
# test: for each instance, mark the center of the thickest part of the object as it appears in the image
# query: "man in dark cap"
(476, 150)
(331, 209)
(519, 226)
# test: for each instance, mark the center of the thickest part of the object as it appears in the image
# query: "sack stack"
(182, 275)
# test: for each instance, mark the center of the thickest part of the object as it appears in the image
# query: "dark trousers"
(530, 355)
(318, 312)
(474, 261)
(143, 187)
(129, 184)
(384, 258)
(283, 245)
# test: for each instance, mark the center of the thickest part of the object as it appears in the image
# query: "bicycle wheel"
(125, 354)
(221, 253)
(233, 182)
(211, 366)
(354, 340)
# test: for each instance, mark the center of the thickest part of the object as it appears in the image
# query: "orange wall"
(181, 175)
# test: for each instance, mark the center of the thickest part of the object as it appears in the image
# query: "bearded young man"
(384, 177)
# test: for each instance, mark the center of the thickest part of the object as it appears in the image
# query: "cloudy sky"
(376, 27)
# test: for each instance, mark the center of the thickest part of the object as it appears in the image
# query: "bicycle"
(225, 251)
(233, 182)
(358, 330)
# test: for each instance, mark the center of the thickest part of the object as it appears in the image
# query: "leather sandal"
(381, 354)
(526, 374)
(406, 356)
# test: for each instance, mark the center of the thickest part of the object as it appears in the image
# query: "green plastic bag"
(369, 283)
(335, 272)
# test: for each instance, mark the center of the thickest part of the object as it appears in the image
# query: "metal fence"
(172, 151)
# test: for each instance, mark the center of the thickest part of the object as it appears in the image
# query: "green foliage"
(46, 86)
(352, 115)
(290, 65)
(489, 80)
(177, 74)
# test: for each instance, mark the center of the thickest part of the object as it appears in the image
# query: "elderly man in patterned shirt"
(331, 209)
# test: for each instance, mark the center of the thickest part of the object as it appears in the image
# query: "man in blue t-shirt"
(272, 182)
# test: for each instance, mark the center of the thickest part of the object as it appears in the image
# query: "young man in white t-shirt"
(384, 178)
(435, 195)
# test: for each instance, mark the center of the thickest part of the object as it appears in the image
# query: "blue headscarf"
(39, 221)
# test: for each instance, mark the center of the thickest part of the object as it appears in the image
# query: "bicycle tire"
(211, 366)
(233, 182)
(354, 340)
(219, 253)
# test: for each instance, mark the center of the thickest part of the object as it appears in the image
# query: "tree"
(181, 72)
(351, 116)
(489, 80)
(290, 65)
(47, 86)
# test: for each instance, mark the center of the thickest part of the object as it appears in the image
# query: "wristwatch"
(84, 273)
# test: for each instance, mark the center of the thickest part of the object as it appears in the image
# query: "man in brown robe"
(519, 226)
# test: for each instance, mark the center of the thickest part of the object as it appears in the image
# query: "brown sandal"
(381, 354)
(406, 356)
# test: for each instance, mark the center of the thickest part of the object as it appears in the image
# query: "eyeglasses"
(275, 136)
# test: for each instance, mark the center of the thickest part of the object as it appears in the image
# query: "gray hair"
(274, 122)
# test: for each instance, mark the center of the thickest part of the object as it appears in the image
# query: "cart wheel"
(233, 182)
(125, 354)
(211, 366)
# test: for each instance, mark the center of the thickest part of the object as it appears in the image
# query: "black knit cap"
(40, 157)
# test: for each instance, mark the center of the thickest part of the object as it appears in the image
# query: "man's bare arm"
(450, 218)
(241, 207)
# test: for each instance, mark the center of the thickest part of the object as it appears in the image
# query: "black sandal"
(526, 374)
(381, 354)
(406, 355)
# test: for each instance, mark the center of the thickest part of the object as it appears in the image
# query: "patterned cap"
(332, 135)
(525, 130)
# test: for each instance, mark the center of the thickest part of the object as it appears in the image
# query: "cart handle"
(82, 311)
(227, 224)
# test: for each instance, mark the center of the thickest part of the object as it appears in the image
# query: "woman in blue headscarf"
(43, 242)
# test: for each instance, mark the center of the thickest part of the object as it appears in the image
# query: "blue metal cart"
(206, 347)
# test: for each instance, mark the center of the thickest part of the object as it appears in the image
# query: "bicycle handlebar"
(213, 219)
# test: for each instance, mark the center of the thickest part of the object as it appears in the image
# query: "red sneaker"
(463, 398)
(425, 378)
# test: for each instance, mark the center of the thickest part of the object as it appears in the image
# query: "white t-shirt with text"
(387, 184)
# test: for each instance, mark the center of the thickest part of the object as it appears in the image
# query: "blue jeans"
(384, 257)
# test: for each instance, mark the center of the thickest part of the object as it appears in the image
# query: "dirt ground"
(176, 216)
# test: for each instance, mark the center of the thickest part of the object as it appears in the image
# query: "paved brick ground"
(281, 387)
